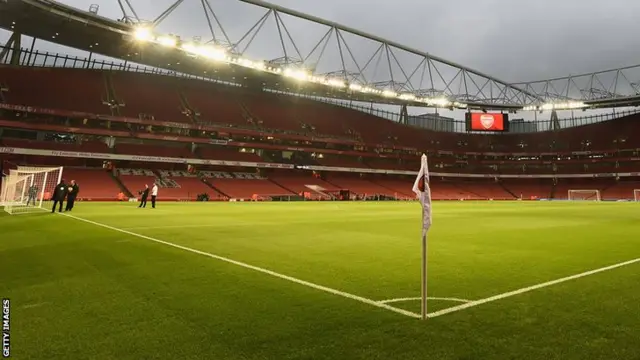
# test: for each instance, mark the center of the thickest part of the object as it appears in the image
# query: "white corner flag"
(423, 192)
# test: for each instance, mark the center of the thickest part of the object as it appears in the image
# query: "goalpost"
(26, 188)
(584, 195)
(636, 194)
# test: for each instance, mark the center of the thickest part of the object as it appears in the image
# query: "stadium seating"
(387, 164)
(482, 189)
(55, 88)
(244, 185)
(177, 151)
(87, 146)
(300, 183)
(447, 190)
(188, 187)
(401, 187)
(160, 96)
(220, 153)
(529, 188)
(621, 190)
(212, 105)
(95, 184)
(148, 94)
(167, 98)
(273, 113)
(360, 186)
(340, 161)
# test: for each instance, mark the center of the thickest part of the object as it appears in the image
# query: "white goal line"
(383, 304)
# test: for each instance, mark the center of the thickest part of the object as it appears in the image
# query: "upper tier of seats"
(168, 99)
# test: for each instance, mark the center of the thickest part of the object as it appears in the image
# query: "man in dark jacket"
(144, 194)
(33, 194)
(74, 189)
(58, 195)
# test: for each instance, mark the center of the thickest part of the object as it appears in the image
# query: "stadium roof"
(389, 73)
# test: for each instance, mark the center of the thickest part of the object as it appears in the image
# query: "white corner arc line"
(389, 301)
(258, 269)
(529, 288)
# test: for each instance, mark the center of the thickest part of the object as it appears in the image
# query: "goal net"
(636, 194)
(28, 189)
(584, 195)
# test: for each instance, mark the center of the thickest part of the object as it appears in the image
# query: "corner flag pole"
(424, 275)
(423, 192)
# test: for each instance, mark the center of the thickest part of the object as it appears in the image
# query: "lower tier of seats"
(100, 184)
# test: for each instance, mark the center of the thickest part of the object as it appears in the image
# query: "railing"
(37, 58)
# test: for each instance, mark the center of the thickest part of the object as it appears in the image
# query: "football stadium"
(235, 179)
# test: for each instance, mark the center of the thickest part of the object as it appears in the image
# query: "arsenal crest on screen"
(487, 120)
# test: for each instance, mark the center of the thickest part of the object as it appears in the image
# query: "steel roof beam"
(335, 25)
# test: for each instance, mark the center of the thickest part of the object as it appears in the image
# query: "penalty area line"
(256, 268)
(529, 288)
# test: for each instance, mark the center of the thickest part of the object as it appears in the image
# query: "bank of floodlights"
(144, 34)
(571, 105)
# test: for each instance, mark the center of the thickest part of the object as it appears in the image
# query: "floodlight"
(408, 97)
(143, 34)
(296, 74)
(168, 41)
(211, 52)
(389, 93)
(460, 105)
(441, 102)
(336, 82)
(190, 48)
(577, 105)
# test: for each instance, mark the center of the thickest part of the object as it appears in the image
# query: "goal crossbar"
(636, 194)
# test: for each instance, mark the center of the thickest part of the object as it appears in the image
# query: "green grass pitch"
(79, 290)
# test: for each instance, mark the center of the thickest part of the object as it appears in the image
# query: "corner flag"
(423, 192)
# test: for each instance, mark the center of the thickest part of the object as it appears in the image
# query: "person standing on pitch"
(58, 195)
(33, 193)
(154, 195)
(74, 189)
(144, 195)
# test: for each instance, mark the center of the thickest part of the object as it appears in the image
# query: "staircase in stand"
(121, 185)
(507, 190)
(248, 116)
(464, 189)
(552, 195)
(282, 187)
(111, 99)
(187, 109)
(206, 182)
(408, 193)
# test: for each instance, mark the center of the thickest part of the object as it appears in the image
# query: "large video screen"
(487, 122)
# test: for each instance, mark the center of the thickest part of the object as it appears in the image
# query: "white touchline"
(258, 269)
(529, 288)
(428, 298)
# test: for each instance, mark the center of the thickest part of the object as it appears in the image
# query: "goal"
(584, 195)
(27, 189)
(636, 194)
